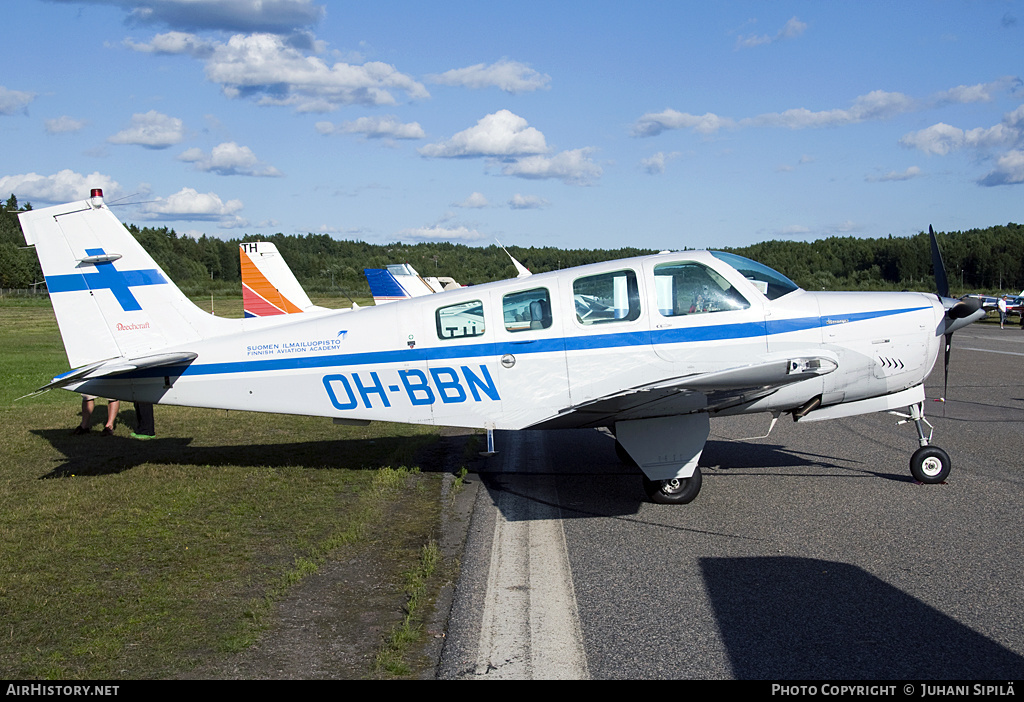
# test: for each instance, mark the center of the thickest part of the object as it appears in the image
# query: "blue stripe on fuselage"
(717, 332)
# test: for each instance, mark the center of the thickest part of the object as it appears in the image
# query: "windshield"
(769, 281)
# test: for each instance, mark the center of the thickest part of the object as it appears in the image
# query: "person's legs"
(88, 404)
(112, 408)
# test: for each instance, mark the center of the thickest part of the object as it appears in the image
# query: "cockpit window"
(769, 281)
(607, 297)
(693, 288)
(462, 320)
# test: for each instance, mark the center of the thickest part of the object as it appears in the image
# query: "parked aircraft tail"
(111, 299)
(400, 280)
(268, 285)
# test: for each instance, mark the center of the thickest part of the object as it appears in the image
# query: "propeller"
(959, 313)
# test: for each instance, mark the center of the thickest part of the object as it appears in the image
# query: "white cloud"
(387, 126)
(942, 138)
(14, 101)
(276, 16)
(571, 167)
(912, 172)
(527, 202)
(502, 134)
(152, 130)
(474, 201)
(1007, 136)
(174, 43)
(63, 125)
(229, 159)
(654, 123)
(876, 105)
(511, 76)
(1009, 170)
(791, 30)
(655, 163)
(939, 139)
(190, 205)
(439, 233)
(265, 67)
(982, 92)
(65, 186)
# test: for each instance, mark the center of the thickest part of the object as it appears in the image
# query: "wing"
(692, 393)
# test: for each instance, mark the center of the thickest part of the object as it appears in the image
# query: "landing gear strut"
(929, 464)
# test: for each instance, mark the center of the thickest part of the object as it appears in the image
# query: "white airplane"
(269, 287)
(680, 338)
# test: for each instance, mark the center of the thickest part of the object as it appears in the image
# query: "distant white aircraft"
(400, 281)
(649, 347)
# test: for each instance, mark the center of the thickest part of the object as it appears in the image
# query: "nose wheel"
(929, 464)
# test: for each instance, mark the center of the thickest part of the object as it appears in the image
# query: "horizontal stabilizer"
(114, 366)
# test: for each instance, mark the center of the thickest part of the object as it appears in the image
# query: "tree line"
(977, 260)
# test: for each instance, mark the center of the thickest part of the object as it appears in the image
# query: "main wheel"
(677, 491)
(623, 454)
(930, 465)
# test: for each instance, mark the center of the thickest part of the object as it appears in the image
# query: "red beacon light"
(96, 197)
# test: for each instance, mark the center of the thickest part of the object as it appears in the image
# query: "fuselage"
(522, 353)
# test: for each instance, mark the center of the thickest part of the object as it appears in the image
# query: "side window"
(693, 288)
(462, 320)
(607, 297)
(529, 309)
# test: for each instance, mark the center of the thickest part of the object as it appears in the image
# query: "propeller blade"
(941, 282)
(945, 381)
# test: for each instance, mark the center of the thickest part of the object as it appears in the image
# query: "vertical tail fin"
(399, 281)
(268, 285)
(384, 286)
(110, 297)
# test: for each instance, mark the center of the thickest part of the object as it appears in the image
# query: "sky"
(574, 124)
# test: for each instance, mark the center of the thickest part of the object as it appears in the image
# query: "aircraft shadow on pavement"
(92, 454)
(785, 618)
(614, 489)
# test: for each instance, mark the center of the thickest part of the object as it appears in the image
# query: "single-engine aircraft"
(649, 347)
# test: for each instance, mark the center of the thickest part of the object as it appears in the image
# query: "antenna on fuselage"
(522, 270)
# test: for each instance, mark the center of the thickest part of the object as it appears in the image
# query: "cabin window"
(607, 297)
(461, 320)
(693, 288)
(529, 309)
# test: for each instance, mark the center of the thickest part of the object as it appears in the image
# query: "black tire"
(673, 492)
(623, 454)
(930, 465)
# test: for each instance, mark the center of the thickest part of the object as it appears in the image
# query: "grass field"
(126, 559)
